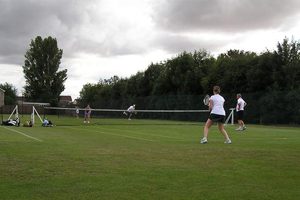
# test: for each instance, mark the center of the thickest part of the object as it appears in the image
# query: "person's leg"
(240, 116)
(208, 124)
(242, 123)
(239, 123)
(129, 118)
(223, 131)
(239, 119)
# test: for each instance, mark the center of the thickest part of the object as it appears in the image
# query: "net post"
(34, 110)
(14, 110)
(22, 105)
(230, 116)
(17, 111)
(44, 112)
(2, 114)
(32, 116)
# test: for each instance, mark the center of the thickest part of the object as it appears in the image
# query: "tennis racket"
(206, 100)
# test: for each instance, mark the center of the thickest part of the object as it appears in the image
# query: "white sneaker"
(129, 119)
(203, 140)
(239, 129)
(227, 141)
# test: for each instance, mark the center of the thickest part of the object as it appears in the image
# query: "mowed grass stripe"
(24, 134)
(180, 131)
(109, 133)
(140, 132)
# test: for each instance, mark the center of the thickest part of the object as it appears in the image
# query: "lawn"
(147, 159)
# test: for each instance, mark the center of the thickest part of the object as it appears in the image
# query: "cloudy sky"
(102, 38)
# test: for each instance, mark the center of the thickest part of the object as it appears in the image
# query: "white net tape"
(122, 110)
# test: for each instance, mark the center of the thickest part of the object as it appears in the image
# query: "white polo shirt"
(240, 104)
(131, 109)
(218, 105)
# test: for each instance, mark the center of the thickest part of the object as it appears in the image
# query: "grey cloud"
(74, 23)
(224, 15)
(21, 21)
(11, 51)
(110, 47)
(24, 17)
(178, 43)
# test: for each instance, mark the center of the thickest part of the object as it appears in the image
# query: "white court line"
(23, 134)
(126, 136)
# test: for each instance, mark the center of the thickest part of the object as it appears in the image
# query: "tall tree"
(10, 96)
(230, 71)
(287, 65)
(43, 80)
(88, 94)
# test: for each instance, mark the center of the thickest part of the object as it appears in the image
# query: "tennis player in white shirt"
(240, 106)
(129, 111)
(217, 114)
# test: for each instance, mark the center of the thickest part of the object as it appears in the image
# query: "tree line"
(269, 81)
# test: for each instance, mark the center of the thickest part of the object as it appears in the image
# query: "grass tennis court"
(145, 159)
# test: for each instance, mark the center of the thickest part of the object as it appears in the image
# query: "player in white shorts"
(217, 114)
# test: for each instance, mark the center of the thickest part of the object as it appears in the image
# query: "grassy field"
(143, 159)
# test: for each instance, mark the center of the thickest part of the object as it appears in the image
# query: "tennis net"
(75, 116)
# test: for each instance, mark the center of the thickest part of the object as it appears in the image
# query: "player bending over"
(129, 111)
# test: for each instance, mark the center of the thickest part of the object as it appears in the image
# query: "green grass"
(143, 159)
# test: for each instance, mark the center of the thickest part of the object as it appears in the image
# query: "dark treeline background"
(269, 83)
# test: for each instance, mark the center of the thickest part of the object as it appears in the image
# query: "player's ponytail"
(217, 89)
